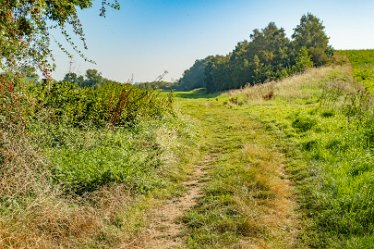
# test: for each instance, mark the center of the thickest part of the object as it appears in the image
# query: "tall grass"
(81, 168)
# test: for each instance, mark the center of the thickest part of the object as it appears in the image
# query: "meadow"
(283, 164)
(323, 121)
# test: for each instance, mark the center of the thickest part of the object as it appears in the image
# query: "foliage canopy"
(25, 27)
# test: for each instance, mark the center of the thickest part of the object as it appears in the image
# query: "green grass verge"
(363, 66)
(324, 122)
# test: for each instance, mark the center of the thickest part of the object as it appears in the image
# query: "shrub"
(10, 103)
(107, 104)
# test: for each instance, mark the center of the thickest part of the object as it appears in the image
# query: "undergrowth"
(75, 161)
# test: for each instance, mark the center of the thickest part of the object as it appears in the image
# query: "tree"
(29, 72)
(194, 76)
(71, 77)
(239, 65)
(25, 27)
(268, 52)
(93, 78)
(310, 33)
(217, 74)
(303, 60)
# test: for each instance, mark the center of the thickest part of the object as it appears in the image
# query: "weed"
(327, 114)
(268, 96)
(303, 123)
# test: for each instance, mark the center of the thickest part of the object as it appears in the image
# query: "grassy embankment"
(320, 126)
(363, 66)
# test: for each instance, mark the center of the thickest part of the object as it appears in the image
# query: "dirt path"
(245, 196)
(166, 231)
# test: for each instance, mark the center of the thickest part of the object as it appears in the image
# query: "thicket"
(107, 104)
(57, 115)
(269, 55)
(73, 159)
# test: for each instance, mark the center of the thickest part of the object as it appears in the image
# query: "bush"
(10, 103)
(107, 104)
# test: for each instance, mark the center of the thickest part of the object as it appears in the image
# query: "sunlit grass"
(322, 120)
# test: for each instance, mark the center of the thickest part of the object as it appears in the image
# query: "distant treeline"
(269, 55)
(93, 78)
(163, 85)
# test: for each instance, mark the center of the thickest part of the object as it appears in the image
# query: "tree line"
(268, 55)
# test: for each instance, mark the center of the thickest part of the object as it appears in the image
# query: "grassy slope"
(363, 66)
(323, 120)
(320, 126)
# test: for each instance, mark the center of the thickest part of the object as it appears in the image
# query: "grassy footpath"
(319, 127)
(247, 200)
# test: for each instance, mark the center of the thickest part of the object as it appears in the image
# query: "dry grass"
(36, 214)
(301, 86)
(275, 210)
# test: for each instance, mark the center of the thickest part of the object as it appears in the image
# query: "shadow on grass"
(197, 94)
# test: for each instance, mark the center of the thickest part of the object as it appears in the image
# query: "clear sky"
(147, 37)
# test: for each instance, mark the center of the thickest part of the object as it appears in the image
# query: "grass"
(323, 121)
(363, 66)
(84, 160)
(318, 126)
(289, 165)
(59, 185)
(246, 198)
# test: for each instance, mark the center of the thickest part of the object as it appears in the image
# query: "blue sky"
(147, 37)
